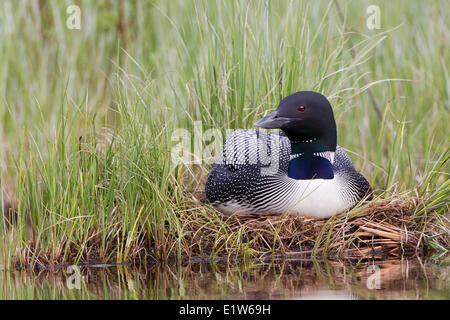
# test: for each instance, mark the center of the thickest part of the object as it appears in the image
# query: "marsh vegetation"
(88, 116)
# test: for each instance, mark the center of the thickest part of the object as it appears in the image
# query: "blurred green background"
(138, 70)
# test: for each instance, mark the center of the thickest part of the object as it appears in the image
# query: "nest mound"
(383, 228)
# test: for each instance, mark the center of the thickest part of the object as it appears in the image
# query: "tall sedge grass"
(88, 115)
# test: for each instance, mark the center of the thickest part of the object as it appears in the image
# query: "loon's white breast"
(320, 198)
(317, 197)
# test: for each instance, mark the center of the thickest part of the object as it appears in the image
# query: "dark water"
(293, 279)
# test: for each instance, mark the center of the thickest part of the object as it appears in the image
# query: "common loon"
(299, 171)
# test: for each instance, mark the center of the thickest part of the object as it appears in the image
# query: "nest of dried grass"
(387, 227)
(383, 228)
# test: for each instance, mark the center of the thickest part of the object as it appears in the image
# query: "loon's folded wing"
(341, 159)
(353, 180)
(254, 147)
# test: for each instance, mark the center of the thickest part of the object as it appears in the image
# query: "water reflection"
(292, 279)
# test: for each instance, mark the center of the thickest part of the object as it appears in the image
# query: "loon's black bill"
(272, 121)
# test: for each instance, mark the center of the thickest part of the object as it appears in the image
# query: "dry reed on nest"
(383, 228)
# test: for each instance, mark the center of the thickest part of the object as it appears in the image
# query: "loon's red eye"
(301, 108)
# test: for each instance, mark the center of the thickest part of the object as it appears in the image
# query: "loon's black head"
(306, 117)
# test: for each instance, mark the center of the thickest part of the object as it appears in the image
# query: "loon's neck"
(310, 159)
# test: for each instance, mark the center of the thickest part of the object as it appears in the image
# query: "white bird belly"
(319, 198)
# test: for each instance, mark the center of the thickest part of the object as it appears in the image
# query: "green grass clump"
(88, 116)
